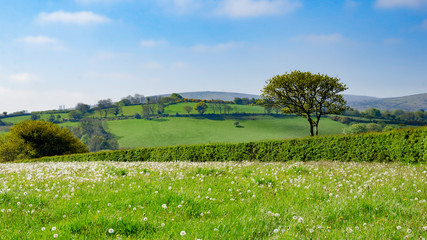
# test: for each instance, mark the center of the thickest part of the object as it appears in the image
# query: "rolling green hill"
(134, 133)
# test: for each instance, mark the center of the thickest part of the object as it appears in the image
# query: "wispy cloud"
(152, 43)
(400, 3)
(23, 78)
(322, 38)
(152, 66)
(100, 1)
(81, 18)
(184, 6)
(423, 25)
(352, 4)
(39, 40)
(255, 8)
(214, 48)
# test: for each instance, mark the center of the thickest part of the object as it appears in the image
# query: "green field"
(19, 119)
(227, 200)
(133, 133)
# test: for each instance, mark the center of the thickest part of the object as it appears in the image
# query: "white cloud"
(40, 40)
(33, 100)
(214, 48)
(23, 78)
(255, 8)
(322, 39)
(400, 3)
(152, 43)
(82, 18)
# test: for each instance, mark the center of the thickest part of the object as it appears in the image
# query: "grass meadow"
(133, 133)
(222, 200)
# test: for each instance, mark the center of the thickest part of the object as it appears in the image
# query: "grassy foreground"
(229, 200)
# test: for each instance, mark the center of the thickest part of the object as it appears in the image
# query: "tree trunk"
(316, 127)
(311, 126)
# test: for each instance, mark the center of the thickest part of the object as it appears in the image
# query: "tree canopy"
(201, 107)
(35, 139)
(306, 94)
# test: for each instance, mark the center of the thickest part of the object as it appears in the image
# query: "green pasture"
(134, 133)
(212, 200)
(19, 119)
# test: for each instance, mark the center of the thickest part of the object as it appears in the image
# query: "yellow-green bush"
(35, 139)
(407, 145)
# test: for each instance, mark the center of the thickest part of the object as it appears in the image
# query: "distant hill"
(208, 95)
(407, 103)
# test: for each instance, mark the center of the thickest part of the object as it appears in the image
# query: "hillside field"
(134, 133)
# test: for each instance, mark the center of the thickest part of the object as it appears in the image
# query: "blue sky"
(55, 52)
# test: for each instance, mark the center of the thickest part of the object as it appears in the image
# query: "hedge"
(406, 145)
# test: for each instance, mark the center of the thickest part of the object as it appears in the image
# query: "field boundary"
(405, 145)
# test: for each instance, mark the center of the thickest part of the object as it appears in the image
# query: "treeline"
(399, 115)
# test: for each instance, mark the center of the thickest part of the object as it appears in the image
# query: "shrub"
(35, 139)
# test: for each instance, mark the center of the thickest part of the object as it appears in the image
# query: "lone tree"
(201, 107)
(306, 94)
(187, 108)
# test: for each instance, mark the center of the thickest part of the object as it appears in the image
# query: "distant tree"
(306, 94)
(35, 116)
(227, 109)
(75, 114)
(398, 113)
(104, 105)
(236, 124)
(137, 116)
(355, 128)
(373, 127)
(176, 96)
(51, 118)
(160, 108)
(187, 108)
(94, 133)
(237, 100)
(35, 139)
(83, 108)
(117, 109)
(4, 113)
(201, 107)
(58, 118)
(125, 102)
(147, 110)
(373, 113)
